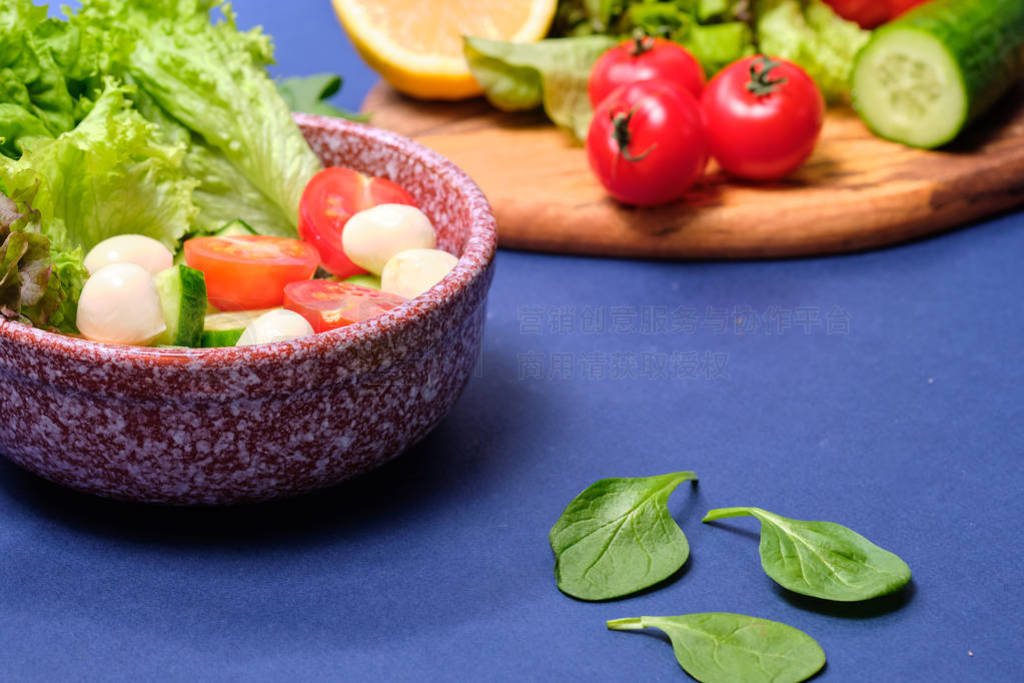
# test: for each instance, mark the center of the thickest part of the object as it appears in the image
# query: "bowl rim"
(476, 257)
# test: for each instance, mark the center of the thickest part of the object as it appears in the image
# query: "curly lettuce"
(245, 149)
(34, 97)
(111, 174)
(131, 117)
(37, 284)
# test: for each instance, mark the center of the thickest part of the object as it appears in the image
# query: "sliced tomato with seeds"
(333, 196)
(245, 272)
(328, 304)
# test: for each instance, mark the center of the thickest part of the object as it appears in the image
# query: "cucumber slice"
(224, 329)
(364, 280)
(922, 78)
(215, 338)
(182, 292)
(235, 227)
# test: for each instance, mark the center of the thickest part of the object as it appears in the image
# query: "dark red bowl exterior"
(215, 426)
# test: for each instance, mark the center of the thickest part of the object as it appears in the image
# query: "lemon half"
(416, 46)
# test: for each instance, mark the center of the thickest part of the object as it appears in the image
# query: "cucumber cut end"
(909, 88)
(182, 292)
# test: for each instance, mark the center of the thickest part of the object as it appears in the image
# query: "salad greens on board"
(553, 72)
(715, 31)
(128, 117)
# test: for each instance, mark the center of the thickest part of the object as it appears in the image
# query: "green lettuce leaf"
(111, 174)
(68, 275)
(34, 98)
(552, 73)
(809, 33)
(51, 72)
(211, 79)
(131, 117)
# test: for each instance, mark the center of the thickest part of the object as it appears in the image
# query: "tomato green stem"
(761, 83)
(642, 42)
(622, 135)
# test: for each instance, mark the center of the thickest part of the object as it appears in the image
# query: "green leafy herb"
(521, 76)
(617, 537)
(822, 559)
(719, 647)
(309, 94)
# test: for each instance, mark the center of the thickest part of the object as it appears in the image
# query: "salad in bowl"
(151, 177)
(204, 299)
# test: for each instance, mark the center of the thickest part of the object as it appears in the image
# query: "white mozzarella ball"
(276, 325)
(373, 236)
(411, 272)
(138, 249)
(120, 305)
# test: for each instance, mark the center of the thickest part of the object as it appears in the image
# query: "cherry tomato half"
(643, 59)
(764, 117)
(647, 143)
(331, 197)
(327, 304)
(245, 272)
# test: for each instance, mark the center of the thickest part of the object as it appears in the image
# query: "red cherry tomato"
(327, 304)
(247, 272)
(867, 13)
(764, 117)
(898, 7)
(331, 197)
(647, 143)
(644, 59)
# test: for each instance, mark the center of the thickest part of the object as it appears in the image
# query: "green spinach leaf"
(617, 537)
(822, 559)
(309, 94)
(717, 646)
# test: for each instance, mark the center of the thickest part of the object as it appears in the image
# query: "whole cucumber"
(923, 77)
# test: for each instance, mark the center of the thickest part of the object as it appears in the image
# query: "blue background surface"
(879, 390)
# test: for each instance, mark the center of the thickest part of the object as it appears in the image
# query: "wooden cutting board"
(856, 192)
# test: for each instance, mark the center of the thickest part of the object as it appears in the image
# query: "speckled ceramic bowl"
(252, 423)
